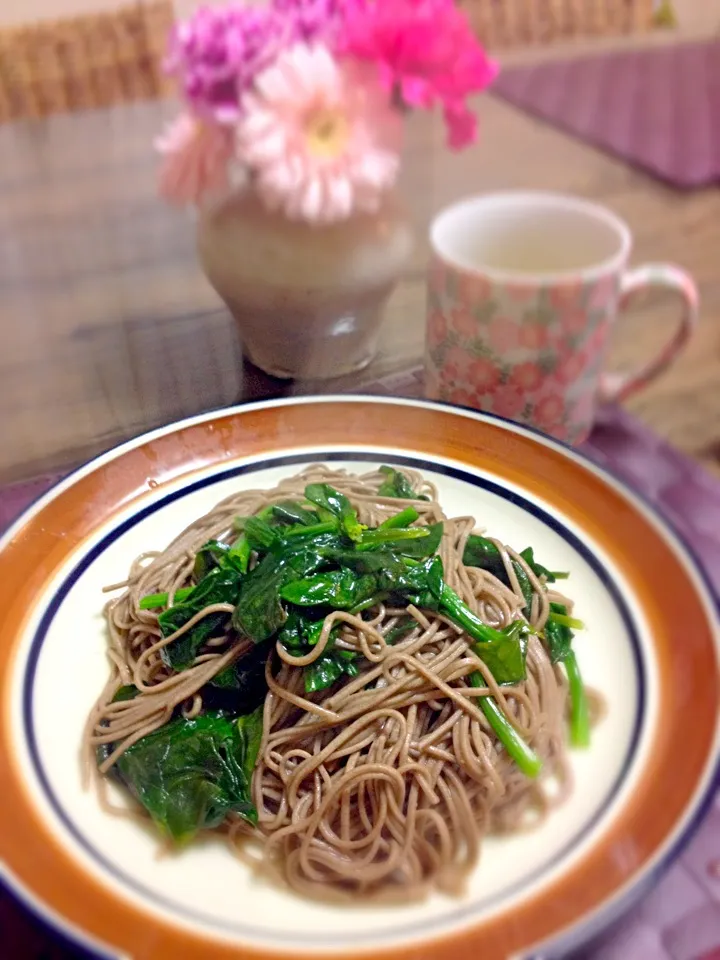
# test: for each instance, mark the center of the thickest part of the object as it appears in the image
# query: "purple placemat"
(656, 108)
(680, 919)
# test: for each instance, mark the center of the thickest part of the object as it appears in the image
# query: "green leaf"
(538, 569)
(240, 687)
(127, 692)
(293, 634)
(239, 554)
(250, 730)
(328, 668)
(190, 774)
(565, 621)
(259, 611)
(505, 654)
(300, 634)
(299, 531)
(336, 503)
(425, 547)
(503, 650)
(396, 484)
(405, 626)
(340, 589)
(419, 583)
(397, 538)
(210, 555)
(482, 553)
(558, 637)
(226, 679)
(526, 588)
(221, 585)
(259, 534)
(290, 513)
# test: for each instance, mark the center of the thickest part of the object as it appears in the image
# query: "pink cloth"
(656, 108)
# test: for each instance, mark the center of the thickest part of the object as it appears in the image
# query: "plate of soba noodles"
(341, 676)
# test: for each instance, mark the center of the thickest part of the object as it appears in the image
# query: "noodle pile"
(384, 784)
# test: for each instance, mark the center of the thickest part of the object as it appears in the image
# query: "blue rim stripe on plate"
(463, 914)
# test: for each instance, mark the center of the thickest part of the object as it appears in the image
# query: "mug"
(523, 292)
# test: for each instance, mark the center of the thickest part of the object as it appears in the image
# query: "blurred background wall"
(29, 11)
(692, 14)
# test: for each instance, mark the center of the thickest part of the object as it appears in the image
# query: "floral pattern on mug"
(528, 352)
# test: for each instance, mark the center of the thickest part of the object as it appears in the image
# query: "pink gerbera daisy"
(196, 159)
(320, 136)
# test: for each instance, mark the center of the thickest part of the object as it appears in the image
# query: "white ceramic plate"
(102, 874)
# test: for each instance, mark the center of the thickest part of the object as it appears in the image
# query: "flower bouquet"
(290, 146)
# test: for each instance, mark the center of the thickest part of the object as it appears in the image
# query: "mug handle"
(615, 387)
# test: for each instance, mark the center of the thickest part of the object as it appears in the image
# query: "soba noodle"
(385, 783)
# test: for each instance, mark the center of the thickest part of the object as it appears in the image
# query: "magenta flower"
(219, 51)
(427, 53)
(311, 20)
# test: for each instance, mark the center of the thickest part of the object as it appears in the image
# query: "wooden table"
(109, 327)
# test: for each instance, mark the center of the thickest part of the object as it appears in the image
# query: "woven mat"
(656, 108)
(680, 919)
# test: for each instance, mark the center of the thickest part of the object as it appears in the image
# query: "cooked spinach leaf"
(340, 589)
(190, 774)
(290, 512)
(405, 626)
(240, 687)
(250, 729)
(220, 585)
(505, 654)
(538, 569)
(482, 553)
(336, 504)
(210, 555)
(260, 534)
(259, 611)
(558, 637)
(328, 668)
(300, 633)
(396, 484)
(424, 547)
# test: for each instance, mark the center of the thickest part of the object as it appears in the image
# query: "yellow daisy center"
(327, 132)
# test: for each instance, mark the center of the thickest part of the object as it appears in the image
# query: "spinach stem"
(376, 538)
(153, 600)
(370, 602)
(563, 620)
(403, 519)
(312, 531)
(523, 755)
(462, 615)
(579, 711)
